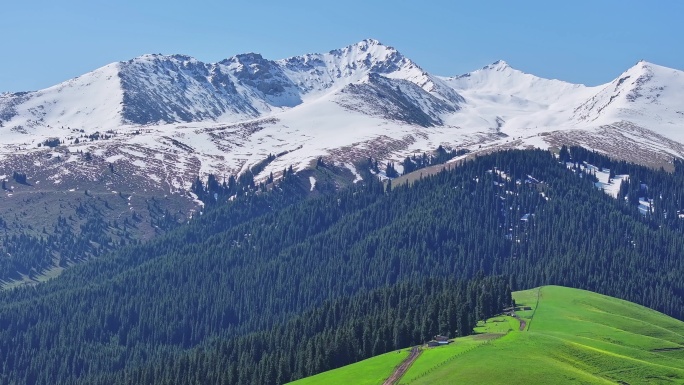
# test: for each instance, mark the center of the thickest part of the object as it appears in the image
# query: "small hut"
(439, 340)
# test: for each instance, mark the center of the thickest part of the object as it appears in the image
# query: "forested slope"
(261, 262)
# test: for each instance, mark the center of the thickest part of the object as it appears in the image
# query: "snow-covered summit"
(499, 78)
(646, 94)
(317, 73)
(160, 89)
(499, 65)
(75, 102)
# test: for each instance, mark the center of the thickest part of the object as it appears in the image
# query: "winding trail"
(523, 323)
(405, 365)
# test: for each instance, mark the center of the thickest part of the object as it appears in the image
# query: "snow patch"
(114, 158)
(357, 176)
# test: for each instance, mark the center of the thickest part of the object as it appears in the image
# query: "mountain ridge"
(365, 100)
(239, 87)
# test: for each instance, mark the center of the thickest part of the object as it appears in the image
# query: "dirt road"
(401, 370)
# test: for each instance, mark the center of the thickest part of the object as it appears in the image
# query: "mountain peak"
(498, 65)
(250, 56)
(369, 43)
(640, 70)
(368, 54)
(373, 46)
(158, 57)
(244, 59)
(660, 70)
(643, 66)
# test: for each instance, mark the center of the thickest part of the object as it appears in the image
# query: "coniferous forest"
(273, 287)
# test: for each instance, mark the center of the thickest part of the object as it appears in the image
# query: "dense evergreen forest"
(333, 334)
(271, 287)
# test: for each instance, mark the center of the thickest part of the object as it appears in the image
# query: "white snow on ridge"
(318, 74)
(517, 103)
(76, 103)
(363, 100)
(647, 95)
(499, 80)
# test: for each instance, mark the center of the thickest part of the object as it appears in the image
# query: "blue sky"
(590, 42)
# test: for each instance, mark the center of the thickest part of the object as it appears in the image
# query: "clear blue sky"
(45, 42)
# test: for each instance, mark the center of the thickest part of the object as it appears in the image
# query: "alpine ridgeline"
(173, 117)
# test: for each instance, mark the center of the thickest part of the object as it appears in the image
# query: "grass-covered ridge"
(570, 336)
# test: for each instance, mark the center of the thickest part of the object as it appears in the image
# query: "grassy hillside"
(569, 336)
(367, 372)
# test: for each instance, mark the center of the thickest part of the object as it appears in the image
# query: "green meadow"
(571, 336)
(367, 372)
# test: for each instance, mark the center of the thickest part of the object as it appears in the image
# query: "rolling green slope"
(570, 336)
(367, 372)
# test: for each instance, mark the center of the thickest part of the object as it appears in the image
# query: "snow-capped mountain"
(645, 94)
(157, 89)
(172, 118)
